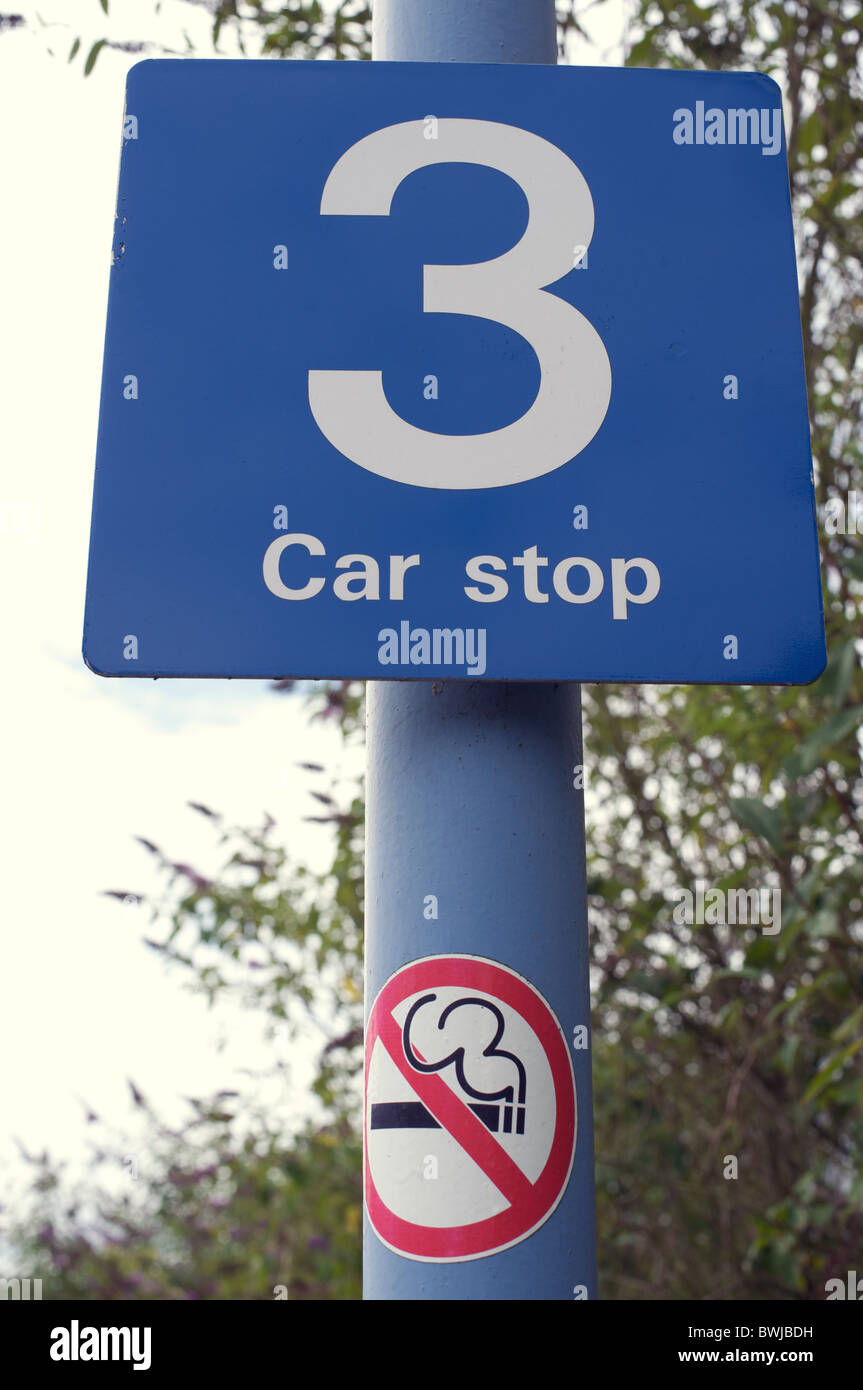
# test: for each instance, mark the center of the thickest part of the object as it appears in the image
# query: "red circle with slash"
(524, 1199)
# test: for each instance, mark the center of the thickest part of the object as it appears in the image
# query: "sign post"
(464, 366)
(475, 845)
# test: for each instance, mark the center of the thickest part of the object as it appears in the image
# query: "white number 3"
(350, 407)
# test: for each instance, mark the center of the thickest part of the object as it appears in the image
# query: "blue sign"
(426, 370)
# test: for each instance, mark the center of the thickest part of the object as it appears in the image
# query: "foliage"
(268, 929)
(715, 1040)
(273, 29)
(221, 1210)
(232, 1204)
(710, 1042)
(298, 29)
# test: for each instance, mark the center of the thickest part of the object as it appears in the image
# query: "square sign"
(426, 370)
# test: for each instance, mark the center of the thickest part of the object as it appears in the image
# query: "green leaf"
(762, 952)
(819, 1082)
(74, 49)
(811, 133)
(849, 1025)
(839, 672)
(824, 923)
(788, 1052)
(755, 815)
(104, 4)
(839, 190)
(93, 55)
(641, 52)
(832, 732)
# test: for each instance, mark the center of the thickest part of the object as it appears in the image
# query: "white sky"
(90, 763)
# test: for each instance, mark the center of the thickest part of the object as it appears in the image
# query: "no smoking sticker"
(470, 1110)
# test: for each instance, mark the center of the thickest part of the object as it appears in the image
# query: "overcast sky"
(89, 763)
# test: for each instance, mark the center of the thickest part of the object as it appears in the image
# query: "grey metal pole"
(453, 31)
(475, 848)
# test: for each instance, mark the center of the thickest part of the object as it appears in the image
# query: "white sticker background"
(460, 1193)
